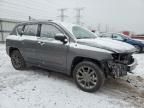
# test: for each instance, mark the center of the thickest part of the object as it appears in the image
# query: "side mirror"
(21, 33)
(61, 37)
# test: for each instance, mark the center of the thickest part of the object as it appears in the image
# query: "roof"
(65, 25)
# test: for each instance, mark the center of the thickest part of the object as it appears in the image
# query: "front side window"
(81, 33)
(30, 30)
(49, 31)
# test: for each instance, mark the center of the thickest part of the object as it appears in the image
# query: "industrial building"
(6, 26)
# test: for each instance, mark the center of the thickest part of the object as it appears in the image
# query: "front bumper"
(132, 66)
(117, 69)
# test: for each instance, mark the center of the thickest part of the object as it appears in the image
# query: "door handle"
(41, 43)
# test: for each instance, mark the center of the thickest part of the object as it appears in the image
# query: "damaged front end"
(121, 64)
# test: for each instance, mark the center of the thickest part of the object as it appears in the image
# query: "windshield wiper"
(86, 37)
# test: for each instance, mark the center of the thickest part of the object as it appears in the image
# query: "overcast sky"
(118, 15)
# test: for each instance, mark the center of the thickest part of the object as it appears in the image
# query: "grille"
(123, 58)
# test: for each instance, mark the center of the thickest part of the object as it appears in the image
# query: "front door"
(53, 52)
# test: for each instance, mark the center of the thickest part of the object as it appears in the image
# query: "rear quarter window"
(20, 29)
(30, 30)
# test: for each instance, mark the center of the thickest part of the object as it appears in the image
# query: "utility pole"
(78, 15)
(29, 18)
(106, 28)
(99, 27)
(62, 15)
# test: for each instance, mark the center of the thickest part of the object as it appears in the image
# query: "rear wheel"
(88, 76)
(17, 60)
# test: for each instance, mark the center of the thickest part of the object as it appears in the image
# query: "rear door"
(53, 52)
(29, 41)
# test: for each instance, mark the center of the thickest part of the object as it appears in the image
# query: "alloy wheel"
(86, 77)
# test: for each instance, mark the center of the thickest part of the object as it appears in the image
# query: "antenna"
(31, 18)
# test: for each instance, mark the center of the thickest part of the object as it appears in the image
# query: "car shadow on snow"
(129, 84)
(129, 88)
(52, 74)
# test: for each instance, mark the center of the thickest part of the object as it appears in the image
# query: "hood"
(108, 44)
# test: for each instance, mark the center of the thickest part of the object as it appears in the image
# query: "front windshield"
(120, 37)
(81, 33)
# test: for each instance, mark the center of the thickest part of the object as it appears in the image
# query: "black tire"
(17, 60)
(139, 49)
(98, 74)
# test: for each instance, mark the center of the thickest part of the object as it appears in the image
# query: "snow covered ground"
(37, 88)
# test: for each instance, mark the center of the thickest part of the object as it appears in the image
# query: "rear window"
(30, 30)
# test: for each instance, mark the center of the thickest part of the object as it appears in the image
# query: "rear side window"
(30, 30)
(49, 31)
(19, 29)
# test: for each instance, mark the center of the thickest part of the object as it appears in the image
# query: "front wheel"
(88, 76)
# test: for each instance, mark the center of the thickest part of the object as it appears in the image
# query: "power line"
(33, 7)
(52, 3)
(17, 12)
(15, 5)
(78, 15)
(30, 4)
(62, 15)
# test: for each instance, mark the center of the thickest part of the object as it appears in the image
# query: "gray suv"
(69, 49)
